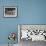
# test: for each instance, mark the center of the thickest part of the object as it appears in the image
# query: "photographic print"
(32, 32)
(10, 11)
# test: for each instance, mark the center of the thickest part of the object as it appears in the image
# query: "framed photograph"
(10, 11)
(31, 32)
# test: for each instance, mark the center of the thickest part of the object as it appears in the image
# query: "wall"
(29, 12)
(32, 11)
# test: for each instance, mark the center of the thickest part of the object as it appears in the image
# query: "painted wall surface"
(29, 12)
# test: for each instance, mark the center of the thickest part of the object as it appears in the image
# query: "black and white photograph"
(10, 11)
